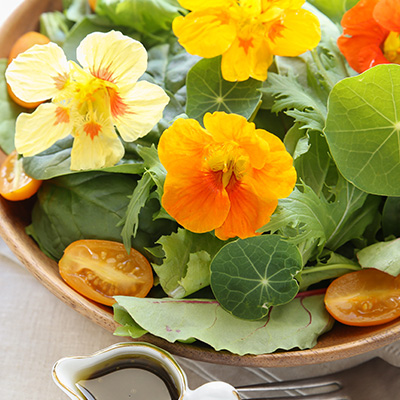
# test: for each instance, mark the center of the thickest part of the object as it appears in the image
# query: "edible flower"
(371, 34)
(88, 101)
(225, 177)
(248, 33)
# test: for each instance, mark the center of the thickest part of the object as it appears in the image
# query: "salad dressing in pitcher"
(129, 379)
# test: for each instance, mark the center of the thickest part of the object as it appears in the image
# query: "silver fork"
(373, 380)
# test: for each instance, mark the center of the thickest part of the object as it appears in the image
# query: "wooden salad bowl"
(341, 342)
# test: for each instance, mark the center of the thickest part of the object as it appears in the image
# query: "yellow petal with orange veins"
(206, 33)
(183, 143)
(297, 32)
(232, 127)
(39, 73)
(247, 58)
(198, 202)
(248, 212)
(113, 57)
(38, 131)
(139, 110)
(195, 5)
(96, 145)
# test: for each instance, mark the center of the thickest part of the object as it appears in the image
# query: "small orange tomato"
(364, 298)
(101, 269)
(92, 4)
(14, 183)
(25, 42)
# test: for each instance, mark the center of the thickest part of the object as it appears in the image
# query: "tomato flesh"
(101, 269)
(24, 43)
(15, 185)
(364, 298)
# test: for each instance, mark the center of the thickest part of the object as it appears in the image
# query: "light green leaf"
(251, 275)
(384, 256)
(9, 112)
(363, 129)
(145, 16)
(186, 266)
(335, 266)
(207, 91)
(294, 325)
(55, 25)
(334, 9)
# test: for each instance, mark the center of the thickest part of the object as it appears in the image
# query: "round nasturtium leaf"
(249, 276)
(363, 129)
(207, 91)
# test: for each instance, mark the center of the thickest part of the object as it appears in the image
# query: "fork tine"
(326, 396)
(308, 383)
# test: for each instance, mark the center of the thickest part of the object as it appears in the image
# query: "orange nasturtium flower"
(248, 33)
(227, 177)
(87, 101)
(371, 34)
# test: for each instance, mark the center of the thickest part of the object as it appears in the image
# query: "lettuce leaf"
(294, 325)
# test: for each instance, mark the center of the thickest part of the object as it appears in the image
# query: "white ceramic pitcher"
(68, 371)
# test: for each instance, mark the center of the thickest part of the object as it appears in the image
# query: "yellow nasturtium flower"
(225, 177)
(248, 33)
(88, 100)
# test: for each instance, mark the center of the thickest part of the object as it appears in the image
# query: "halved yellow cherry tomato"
(101, 269)
(364, 298)
(24, 43)
(15, 185)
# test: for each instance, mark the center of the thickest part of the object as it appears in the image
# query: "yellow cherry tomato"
(364, 298)
(15, 185)
(24, 43)
(101, 269)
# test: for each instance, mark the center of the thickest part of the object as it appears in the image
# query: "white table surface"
(37, 329)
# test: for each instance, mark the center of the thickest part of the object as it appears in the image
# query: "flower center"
(391, 47)
(229, 162)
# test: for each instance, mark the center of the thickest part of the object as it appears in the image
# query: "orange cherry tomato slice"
(364, 298)
(24, 43)
(15, 185)
(101, 269)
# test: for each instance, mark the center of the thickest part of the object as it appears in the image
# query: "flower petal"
(39, 73)
(96, 145)
(113, 57)
(136, 112)
(295, 33)
(278, 176)
(183, 144)
(195, 5)
(248, 212)
(198, 202)
(231, 127)
(387, 14)
(250, 57)
(206, 33)
(38, 131)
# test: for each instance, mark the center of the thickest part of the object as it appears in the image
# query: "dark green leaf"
(391, 217)
(207, 91)
(249, 276)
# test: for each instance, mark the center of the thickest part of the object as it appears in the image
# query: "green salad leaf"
(145, 16)
(363, 129)
(391, 217)
(334, 9)
(207, 91)
(186, 264)
(250, 276)
(9, 112)
(294, 325)
(384, 256)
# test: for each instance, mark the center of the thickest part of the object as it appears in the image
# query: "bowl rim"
(12, 230)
